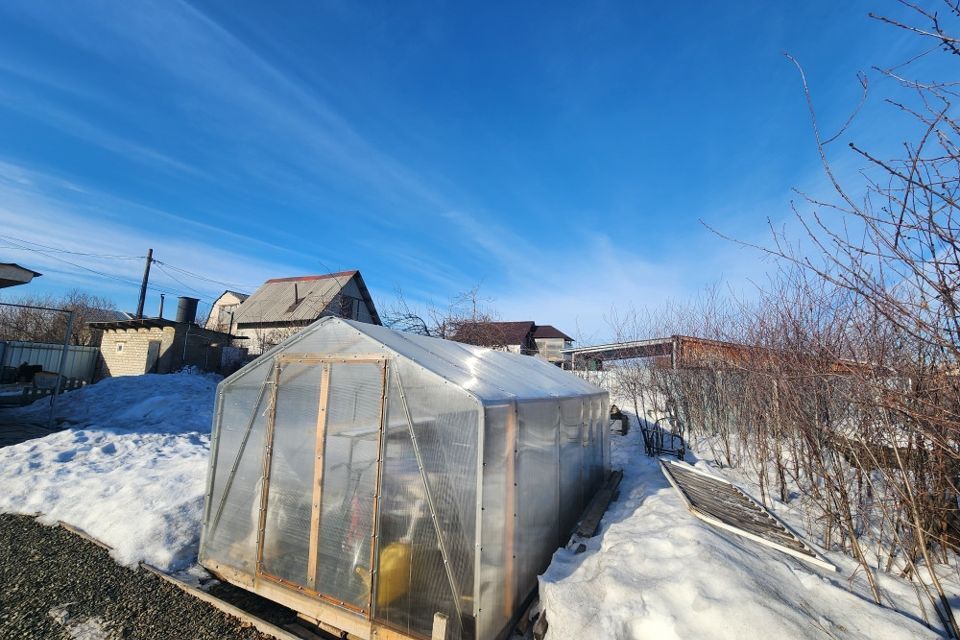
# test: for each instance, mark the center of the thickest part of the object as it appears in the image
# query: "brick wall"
(132, 359)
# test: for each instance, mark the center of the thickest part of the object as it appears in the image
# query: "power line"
(160, 266)
(48, 248)
(201, 277)
(50, 251)
(85, 268)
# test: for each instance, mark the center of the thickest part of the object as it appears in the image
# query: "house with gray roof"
(282, 307)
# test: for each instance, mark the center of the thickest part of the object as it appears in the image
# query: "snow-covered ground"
(130, 471)
(656, 571)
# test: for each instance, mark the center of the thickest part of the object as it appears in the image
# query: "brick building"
(157, 345)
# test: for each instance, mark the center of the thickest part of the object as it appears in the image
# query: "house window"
(348, 307)
(120, 347)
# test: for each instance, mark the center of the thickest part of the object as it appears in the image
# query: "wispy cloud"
(261, 142)
(48, 211)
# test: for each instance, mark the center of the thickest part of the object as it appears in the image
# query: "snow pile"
(655, 571)
(131, 470)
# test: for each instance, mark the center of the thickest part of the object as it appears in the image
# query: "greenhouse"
(381, 482)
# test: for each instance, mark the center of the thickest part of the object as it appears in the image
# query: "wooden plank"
(245, 617)
(312, 608)
(321, 437)
(377, 487)
(313, 358)
(523, 624)
(267, 461)
(301, 631)
(588, 525)
(439, 627)
(83, 534)
(317, 624)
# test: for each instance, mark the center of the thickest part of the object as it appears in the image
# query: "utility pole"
(143, 286)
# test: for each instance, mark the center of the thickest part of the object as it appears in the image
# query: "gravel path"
(55, 584)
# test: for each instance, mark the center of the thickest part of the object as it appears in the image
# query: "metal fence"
(81, 361)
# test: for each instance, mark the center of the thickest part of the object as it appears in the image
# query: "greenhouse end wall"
(543, 461)
(434, 493)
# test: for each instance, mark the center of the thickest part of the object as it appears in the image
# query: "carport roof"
(12, 274)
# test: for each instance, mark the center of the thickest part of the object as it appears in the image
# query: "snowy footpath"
(130, 470)
(656, 571)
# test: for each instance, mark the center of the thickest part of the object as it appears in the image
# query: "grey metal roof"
(237, 294)
(297, 300)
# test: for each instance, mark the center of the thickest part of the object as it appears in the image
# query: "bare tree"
(466, 316)
(38, 325)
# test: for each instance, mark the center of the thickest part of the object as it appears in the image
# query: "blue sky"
(561, 156)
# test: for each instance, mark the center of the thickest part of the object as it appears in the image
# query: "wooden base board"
(246, 618)
(321, 614)
(590, 522)
(83, 534)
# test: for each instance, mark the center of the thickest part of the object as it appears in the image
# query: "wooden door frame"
(326, 362)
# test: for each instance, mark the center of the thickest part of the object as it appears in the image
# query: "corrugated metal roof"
(296, 300)
(240, 296)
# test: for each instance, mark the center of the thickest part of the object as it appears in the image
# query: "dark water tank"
(187, 309)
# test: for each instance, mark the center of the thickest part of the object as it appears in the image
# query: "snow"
(130, 470)
(656, 571)
(82, 628)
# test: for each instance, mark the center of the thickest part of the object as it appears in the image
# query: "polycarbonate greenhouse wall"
(392, 476)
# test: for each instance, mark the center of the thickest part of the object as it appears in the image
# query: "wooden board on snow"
(716, 501)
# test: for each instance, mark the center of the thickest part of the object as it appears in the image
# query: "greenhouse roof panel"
(490, 375)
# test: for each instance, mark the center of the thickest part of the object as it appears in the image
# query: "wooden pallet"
(718, 502)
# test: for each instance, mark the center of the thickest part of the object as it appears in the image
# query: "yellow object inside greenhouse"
(394, 574)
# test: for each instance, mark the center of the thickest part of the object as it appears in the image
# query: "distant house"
(516, 337)
(224, 309)
(525, 337)
(283, 306)
(551, 342)
(12, 274)
(157, 345)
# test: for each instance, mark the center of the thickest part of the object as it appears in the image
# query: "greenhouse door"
(322, 477)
